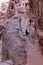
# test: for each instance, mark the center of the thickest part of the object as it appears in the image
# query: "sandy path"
(34, 54)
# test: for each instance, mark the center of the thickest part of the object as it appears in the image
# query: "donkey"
(14, 40)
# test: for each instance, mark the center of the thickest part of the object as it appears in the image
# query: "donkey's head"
(27, 26)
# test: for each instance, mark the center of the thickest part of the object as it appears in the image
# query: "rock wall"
(36, 7)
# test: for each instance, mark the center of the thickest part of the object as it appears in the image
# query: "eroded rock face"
(1, 30)
(14, 43)
(40, 34)
(40, 24)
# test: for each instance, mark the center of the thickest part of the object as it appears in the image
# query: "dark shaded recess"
(31, 4)
(17, 1)
(26, 32)
(40, 24)
(41, 45)
(1, 30)
(12, 5)
(41, 42)
(30, 21)
(12, 0)
(26, 4)
(23, 51)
